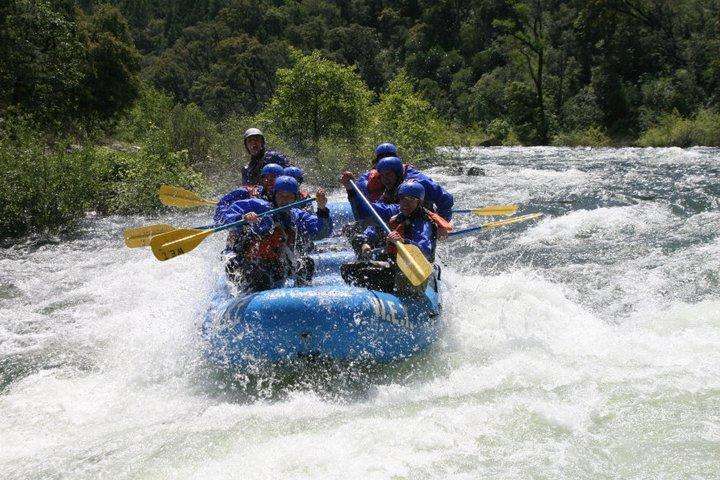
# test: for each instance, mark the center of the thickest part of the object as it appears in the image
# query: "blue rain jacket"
(242, 193)
(419, 231)
(309, 226)
(436, 197)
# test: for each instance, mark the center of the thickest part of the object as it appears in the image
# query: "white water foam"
(590, 349)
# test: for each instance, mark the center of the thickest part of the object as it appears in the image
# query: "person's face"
(408, 205)
(388, 178)
(254, 145)
(268, 181)
(283, 198)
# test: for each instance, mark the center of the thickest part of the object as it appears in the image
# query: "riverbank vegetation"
(102, 101)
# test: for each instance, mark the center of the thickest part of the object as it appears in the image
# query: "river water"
(583, 345)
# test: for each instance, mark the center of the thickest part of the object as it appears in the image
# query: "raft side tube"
(336, 321)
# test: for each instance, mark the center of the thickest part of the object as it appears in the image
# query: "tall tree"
(318, 99)
(64, 68)
(526, 32)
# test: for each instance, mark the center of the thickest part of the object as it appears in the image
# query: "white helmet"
(253, 132)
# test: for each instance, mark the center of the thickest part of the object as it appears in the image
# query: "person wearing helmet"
(265, 251)
(369, 182)
(392, 173)
(411, 225)
(295, 172)
(268, 174)
(254, 142)
(298, 174)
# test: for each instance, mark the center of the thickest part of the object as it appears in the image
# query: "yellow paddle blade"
(413, 264)
(179, 197)
(172, 244)
(495, 210)
(140, 236)
(521, 218)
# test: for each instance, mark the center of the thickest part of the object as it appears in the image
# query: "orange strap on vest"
(396, 226)
(269, 247)
(443, 226)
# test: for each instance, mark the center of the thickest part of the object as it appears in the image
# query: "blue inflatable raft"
(329, 319)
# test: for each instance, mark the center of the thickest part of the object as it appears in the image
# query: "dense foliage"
(542, 67)
(318, 98)
(65, 69)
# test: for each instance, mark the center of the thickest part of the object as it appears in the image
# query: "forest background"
(102, 101)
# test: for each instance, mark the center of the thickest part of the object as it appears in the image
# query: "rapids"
(583, 345)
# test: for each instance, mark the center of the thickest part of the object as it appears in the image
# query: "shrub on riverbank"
(675, 130)
(47, 188)
(156, 118)
(132, 178)
(589, 137)
(42, 189)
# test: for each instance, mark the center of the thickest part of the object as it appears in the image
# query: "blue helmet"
(285, 183)
(295, 172)
(411, 188)
(272, 169)
(385, 150)
(390, 164)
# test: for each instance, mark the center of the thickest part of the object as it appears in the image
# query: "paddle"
(178, 242)
(179, 197)
(410, 259)
(499, 223)
(491, 210)
(141, 236)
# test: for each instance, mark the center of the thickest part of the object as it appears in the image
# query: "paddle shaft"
(368, 206)
(467, 230)
(265, 214)
(495, 224)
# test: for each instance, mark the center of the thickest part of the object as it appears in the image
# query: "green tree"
(526, 32)
(41, 60)
(407, 119)
(110, 81)
(242, 78)
(64, 68)
(318, 98)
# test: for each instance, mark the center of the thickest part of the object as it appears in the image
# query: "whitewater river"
(584, 345)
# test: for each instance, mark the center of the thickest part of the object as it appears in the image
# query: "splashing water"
(585, 345)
